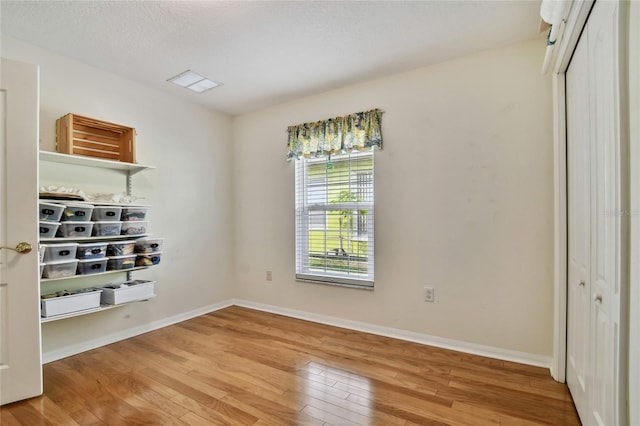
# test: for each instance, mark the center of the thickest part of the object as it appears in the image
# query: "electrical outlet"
(269, 276)
(429, 294)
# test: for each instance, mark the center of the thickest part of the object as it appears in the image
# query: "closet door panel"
(579, 132)
(606, 209)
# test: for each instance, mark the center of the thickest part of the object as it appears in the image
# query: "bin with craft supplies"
(134, 227)
(149, 245)
(106, 213)
(114, 294)
(66, 302)
(120, 248)
(75, 229)
(92, 266)
(48, 229)
(77, 212)
(148, 259)
(116, 263)
(106, 229)
(60, 269)
(91, 250)
(133, 213)
(50, 212)
(57, 252)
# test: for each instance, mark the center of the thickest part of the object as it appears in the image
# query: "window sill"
(367, 285)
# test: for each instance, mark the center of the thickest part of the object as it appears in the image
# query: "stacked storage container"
(82, 220)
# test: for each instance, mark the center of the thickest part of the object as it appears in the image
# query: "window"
(334, 219)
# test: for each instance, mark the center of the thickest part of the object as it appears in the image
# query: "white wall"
(190, 190)
(464, 197)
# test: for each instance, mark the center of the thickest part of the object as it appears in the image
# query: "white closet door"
(579, 224)
(606, 211)
(594, 218)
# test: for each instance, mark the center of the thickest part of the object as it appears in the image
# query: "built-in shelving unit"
(127, 169)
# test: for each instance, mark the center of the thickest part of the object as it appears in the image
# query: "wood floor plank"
(239, 366)
(7, 418)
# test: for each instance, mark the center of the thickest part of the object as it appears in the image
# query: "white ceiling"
(266, 52)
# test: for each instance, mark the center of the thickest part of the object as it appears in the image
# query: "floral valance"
(336, 135)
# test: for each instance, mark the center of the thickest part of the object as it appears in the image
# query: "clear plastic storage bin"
(134, 213)
(48, 229)
(134, 227)
(60, 269)
(106, 213)
(149, 245)
(57, 252)
(121, 262)
(106, 229)
(120, 248)
(92, 266)
(50, 212)
(75, 229)
(91, 250)
(148, 259)
(77, 212)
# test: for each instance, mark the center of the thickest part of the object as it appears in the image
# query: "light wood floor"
(244, 367)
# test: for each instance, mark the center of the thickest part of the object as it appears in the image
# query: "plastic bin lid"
(44, 203)
(46, 222)
(76, 204)
(76, 222)
(92, 244)
(124, 256)
(108, 222)
(101, 259)
(60, 245)
(121, 243)
(61, 262)
(149, 239)
(155, 253)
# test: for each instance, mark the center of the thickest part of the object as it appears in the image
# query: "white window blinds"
(334, 219)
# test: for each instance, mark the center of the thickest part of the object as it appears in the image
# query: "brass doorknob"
(22, 248)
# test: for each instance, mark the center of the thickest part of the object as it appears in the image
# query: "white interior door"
(606, 208)
(578, 224)
(595, 373)
(20, 352)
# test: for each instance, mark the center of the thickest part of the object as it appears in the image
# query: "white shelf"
(71, 277)
(79, 160)
(89, 311)
(90, 239)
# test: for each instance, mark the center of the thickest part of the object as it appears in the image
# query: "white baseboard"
(425, 339)
(131, 332)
